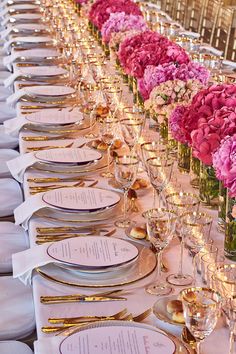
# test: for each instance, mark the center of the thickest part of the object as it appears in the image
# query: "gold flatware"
(80, 319)
(47, 147)
(58, 179)
(68, 324)
(53, 186)
(32, 107)
(86, 298)
(93, 184)
(46, 137)
(41, 239)
(66, 229)
(50, 188)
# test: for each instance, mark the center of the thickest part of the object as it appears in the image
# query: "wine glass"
(108, 131)
(180, 202)
(160, 227)
(159, 171)
(197, 228)
(113, 97)
(125, 174)
(201, 311)
(131, 128)
(224, 280)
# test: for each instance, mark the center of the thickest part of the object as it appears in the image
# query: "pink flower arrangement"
(149, 48)
(119, 37)
(170, 93)
(210, 131)
(224, 163)
(100, 11)
(176, 124)
(155, 75)
(121, 22)
(81, 1)
(203, 105)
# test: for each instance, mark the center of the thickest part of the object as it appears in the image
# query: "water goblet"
(125, 174)
(160, 227)
(180, 202)
(201, 311)
(159, 171)
(131, 128)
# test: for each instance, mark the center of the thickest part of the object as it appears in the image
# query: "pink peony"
(210, 131)
(155, 75)
(175, 124)
(121, 22)
(224, 163)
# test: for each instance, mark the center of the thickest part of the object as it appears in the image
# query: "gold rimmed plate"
(160, 310)
(141, 268)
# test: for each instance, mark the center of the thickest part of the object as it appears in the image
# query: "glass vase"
(194, 171)
(208, 187)
(183, 158)
(163, 127)
(222, 207)
(230, 228)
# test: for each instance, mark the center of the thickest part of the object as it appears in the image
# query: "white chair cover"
(14, 347)
(10, 196)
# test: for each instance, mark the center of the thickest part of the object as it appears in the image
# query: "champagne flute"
(180, 202)
(201, 311)
(125, 174)
(108, 131)
(160, 227)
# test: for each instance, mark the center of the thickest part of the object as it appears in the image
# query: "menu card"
(117, 340)
(81, 199)
(93, 251)
(69, 155)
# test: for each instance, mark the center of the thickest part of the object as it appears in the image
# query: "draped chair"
(193, 15)
(167, 6)
(225, 33)
(209, 20)
(179, 11)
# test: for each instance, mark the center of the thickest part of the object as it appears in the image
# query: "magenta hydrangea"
(203, 105)
(100, 11)
(224, 163)
(121, 22)
(175, 124)
(155, 75)
(210, 131)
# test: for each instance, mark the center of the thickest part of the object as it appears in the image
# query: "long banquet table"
(138, 299)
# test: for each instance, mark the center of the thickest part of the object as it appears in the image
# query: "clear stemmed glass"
(160, 227)
(180, 202)
(224, 280)
(131, 128)
(201, 311)
(113, 97)
(108, 131)
(159, 171)
(197, 228)
(125, 174)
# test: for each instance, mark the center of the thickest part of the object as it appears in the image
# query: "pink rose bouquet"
(121, 22)
(119, 37)
(155, 75)
(100, 11)
(210, 131)
(204, 104)
(224, 163)
(171, 93)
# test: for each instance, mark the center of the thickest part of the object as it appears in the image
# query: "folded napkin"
(30, 39)
(31, 53)
(25, 210)
(47, 345)
(18, 165)
(25, 262)
(15, 97)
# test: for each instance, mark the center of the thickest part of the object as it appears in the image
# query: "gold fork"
(51, 188)
(47, 147)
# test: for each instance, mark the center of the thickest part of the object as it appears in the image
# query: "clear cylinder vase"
(184, 153)
(222, 207)
(194, 171)
(230, 228)
(208, 187)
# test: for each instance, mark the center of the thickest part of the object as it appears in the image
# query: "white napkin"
(23, 263)
(30, 39)
(32, 53)
(18, 165)
(47, 345)
(14, 125)
(26, 209)
(16, 96)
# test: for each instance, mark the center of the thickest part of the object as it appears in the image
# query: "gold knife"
(82, 299)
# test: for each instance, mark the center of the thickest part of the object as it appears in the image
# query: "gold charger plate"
(180, 347)
(144, 265)
(160, 310)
